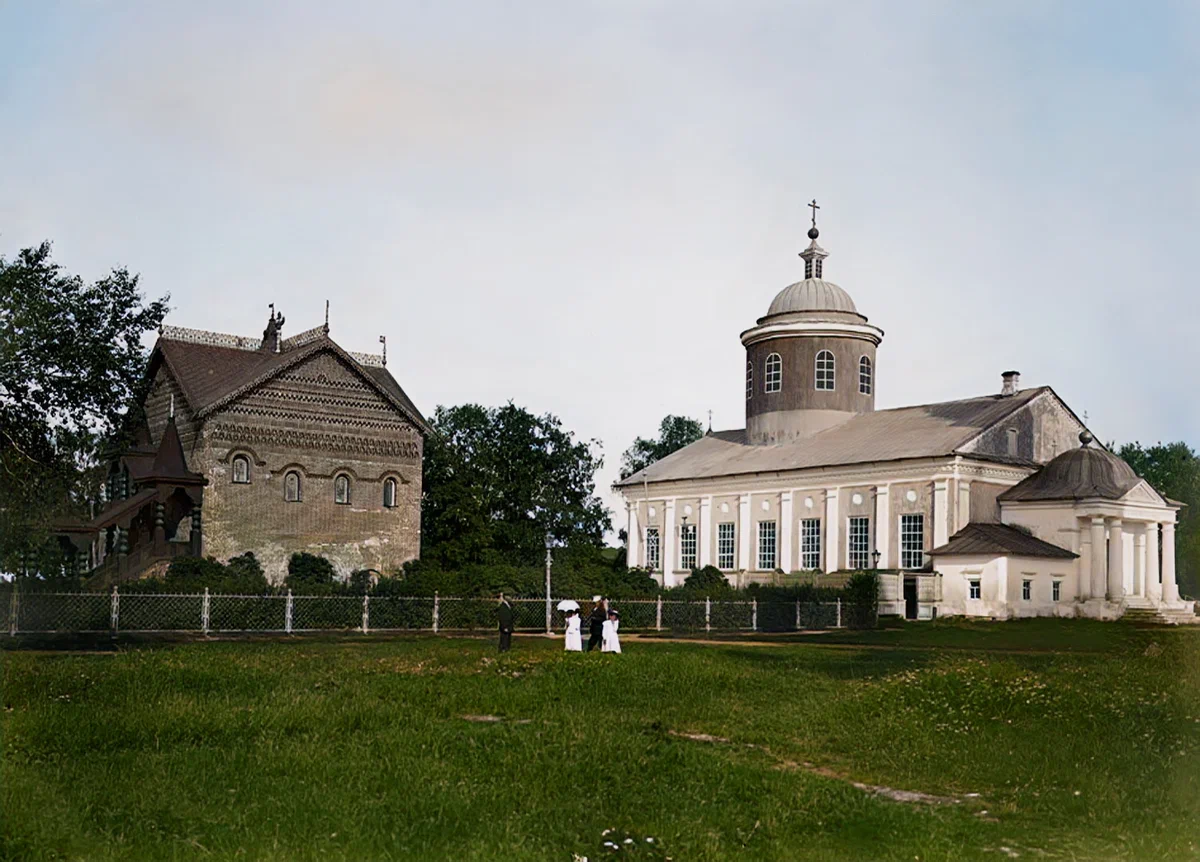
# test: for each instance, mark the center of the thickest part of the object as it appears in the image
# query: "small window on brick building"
(341, 489)
(389, 493)
(241, 470)
(291, 487)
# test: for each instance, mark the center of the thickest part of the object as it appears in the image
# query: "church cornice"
(802, 329)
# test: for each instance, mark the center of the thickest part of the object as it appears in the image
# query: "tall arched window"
(341, 489)
(773, 379)
(749, 380)
(291, 487)
(825, 370)
(864, 375)
(389, 493)
(241, 470)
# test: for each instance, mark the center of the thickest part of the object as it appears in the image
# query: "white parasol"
(568, 605)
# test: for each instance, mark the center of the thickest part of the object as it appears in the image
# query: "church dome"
(812, 294)
(1077, 474)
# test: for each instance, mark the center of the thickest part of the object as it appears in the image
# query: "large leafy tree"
(497, 480)
(71, 360)
(674, 432)
(1174, 470)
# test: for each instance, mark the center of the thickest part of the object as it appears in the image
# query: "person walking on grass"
(596, 621)
(574, 641)
(612, 643)
(504, 613)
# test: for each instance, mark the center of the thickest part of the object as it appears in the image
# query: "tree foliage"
(674, 432)
(71, 363)
(1174, 471)
(498, 480)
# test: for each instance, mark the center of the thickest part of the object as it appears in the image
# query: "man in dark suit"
(504, 613)
(596, 622)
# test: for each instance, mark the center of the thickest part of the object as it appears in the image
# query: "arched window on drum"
(389, 493)
(865, 379)
(773, 377)
(825, 371)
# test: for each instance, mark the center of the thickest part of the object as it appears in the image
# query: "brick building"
(291, 444)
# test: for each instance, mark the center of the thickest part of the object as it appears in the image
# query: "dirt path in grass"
(853, 646)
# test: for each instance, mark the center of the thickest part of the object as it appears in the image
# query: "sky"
(579, 206)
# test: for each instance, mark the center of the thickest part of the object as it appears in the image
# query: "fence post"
(658, 616)
(435, 611)
(114, 613)
(839, 616)
(204, 612)
(754, 614)
(366, 613)
(14, 608)
(707, 613)
(287, 613)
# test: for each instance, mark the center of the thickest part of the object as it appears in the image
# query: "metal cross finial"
(710, 420)
(383, 341)
(814, 208)
(327, 317)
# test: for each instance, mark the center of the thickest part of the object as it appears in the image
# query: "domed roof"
(812, 294)
(1076, 474)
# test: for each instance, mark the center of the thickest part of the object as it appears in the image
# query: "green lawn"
(1087, 748)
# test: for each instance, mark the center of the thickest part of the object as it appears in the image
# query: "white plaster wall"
(1002, 577)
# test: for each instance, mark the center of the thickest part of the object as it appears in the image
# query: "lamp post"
(549, 559)
(875, 559)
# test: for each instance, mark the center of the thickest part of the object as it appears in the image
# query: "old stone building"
(820, 482)
(299, 444)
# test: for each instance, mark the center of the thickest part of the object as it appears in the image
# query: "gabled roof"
(999, 539)
(921, 431)
(213, 375)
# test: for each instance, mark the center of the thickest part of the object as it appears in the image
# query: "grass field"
(1081, 741)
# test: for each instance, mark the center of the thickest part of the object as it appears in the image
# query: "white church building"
(998, 506)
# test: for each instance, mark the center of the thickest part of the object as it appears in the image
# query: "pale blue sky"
(579, 206)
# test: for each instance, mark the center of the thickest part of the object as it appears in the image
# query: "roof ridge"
(997, 397)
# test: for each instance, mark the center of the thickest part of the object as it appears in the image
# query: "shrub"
(308, 573)
(708, 580)
(860, 609)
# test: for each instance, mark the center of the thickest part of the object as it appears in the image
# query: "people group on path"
(603, 625)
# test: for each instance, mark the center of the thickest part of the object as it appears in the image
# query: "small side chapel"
(998, 505)
(273, 446)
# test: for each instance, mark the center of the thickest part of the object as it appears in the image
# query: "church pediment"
(1143, 493)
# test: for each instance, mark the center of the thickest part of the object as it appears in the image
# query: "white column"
(669, 563)
(964, 505)
(705, 537)
(1116, 560)
(1153, 587)
(1098, 557)
(743, 543)
(1170, 589)
(883, 525)
(633, 546)
(941, 512)
(1139, 561)
(833, 543)
(785, 531)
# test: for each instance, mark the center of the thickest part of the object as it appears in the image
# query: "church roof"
(812, 294)
(921, 431)
(999, 539)
(213, 374)
(1085, 473)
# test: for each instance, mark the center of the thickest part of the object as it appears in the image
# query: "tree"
(71, 364)
(674, 432)
(497, 480)
(1174, 471)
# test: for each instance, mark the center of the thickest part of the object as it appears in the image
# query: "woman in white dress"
(574, 639)
(611, 642)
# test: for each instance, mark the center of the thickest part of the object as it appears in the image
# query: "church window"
(341, 489)
(774, 373)
(825, 371)
(864, 375)
(912, 541)
(389, 493)
(766, 545)
(1026, 590)
(241, 470)
(859, 547)
(687, 547)
(974, 591)
(810, 543)
(749, 380)
(725, 545)
(1056, 590)
(652, 547)
(291, 487)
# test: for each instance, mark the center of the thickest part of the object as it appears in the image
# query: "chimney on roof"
(1012, 382)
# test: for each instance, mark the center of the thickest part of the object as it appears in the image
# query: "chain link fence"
(80, 613)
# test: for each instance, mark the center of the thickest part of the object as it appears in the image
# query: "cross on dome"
(814, 255)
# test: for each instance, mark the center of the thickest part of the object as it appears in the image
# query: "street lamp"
(549, 559)
(875, 558)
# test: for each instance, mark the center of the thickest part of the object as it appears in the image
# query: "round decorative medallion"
(687, 510)
(651, 511)
(911, 496)
(856, 499)
(808, 502)
(766, 507)
(725, 507)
